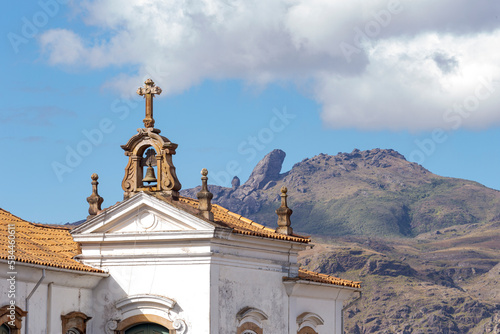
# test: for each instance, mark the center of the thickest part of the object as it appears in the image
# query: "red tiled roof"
(242, 225)
(312, 276)
(40, 244)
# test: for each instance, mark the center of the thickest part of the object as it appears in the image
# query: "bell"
(150, 175)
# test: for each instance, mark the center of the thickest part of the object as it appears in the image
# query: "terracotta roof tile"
(45, 245)
(312, 276)
(242, 225)
(52, 245)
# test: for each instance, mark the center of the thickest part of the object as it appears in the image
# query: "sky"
(239, 79)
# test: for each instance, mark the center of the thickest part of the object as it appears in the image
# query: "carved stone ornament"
(149, 91)
(179, 326)
(205, 197)
(111, 325)
(94, 199)
(138, 309)
(74, 323)
(160, 151)
(284, 213)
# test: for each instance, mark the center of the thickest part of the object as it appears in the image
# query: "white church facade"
(158, 262)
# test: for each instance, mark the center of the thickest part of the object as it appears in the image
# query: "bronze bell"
(150, 175)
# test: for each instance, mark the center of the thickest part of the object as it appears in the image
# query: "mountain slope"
(425, 247)
(374, 192)
(435, 283)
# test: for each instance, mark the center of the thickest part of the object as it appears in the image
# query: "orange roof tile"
(312, 276)
(242, 225)
(54, 246)
(41, 244)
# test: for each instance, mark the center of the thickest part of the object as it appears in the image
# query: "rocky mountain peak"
(368, 155)
(268, 169)
(378, 158)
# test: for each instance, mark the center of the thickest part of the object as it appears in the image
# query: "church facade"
(158, 262)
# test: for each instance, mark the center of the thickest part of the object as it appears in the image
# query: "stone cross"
(149, 91)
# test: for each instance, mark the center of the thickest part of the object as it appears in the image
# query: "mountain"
(425, 247)
(446, 282)
(375, 192)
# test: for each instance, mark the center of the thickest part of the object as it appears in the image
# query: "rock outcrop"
(268, 169)
(372, 192)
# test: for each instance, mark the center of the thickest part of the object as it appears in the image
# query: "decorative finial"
(205, 197)
(94, 200)
(284, 213)
(149, 91)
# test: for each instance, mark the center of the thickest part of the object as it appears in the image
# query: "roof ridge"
(9, 213)
(325, 278)
(254, 228)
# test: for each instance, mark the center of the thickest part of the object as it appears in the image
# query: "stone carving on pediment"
(147, 220)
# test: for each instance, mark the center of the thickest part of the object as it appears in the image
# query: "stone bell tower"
(147, 150)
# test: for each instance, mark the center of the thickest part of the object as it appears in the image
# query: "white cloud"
(406, 62)
(404, 87)
(63, 46)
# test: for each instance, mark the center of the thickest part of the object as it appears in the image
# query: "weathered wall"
(59, 293)
(251, 287)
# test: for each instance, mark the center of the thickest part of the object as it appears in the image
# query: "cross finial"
(149, 91)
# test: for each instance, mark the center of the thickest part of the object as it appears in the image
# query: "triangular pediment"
(143, 214)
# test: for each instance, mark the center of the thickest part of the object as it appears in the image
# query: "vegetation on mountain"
(375, 193)
(426, 247)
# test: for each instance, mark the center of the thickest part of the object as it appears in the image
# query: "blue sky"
(239, 79)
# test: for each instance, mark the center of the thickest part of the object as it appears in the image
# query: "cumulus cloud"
(418, 84)
(382, 64)
(63, 47)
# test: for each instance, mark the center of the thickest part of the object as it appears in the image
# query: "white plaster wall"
(65, 299)
(244, 287)
(186, 283)
(326, 309)
(324, 300)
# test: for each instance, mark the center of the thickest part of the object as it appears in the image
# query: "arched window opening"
(307, 330)
(73, 330)
(249, 331)
(4, 329)
(147, 329)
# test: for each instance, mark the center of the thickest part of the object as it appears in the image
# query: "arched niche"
(308, 322)
(250, 321)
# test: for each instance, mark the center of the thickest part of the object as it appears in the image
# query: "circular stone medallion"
(147, 220)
